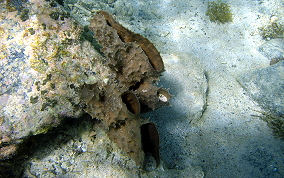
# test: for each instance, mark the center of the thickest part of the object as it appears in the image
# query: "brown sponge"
(135, 66)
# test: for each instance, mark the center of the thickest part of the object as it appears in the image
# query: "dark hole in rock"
(131, 102)
(102, 97)
(108, 23)
(29, 143)
(118, 124)
(53, 4)
(136, 86)
(61, 2)
(122, 122)
(122, 39)
(145, 108)
(72, 86)
(150, 141)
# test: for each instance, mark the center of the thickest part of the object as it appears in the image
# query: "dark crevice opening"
(28, 149)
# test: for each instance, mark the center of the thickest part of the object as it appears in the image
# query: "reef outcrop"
(136, 66)
(43, 64)
(48, 73)
(131, 71)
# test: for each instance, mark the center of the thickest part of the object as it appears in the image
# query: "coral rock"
(43, 65)
(135, 66)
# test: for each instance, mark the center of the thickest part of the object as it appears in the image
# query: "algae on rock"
(219, 12)
(43, 65)
(272, 31)
(51, 73)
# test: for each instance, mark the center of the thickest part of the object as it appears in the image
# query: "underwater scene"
(141, 89)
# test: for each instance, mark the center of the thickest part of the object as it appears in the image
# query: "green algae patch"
(39, 64)
(33, 99)
(219, 12)
(272, 31)
(275, 123)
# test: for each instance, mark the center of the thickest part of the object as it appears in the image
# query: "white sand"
(227, 141)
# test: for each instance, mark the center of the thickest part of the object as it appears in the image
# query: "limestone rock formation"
(43, 66)
(48, 73)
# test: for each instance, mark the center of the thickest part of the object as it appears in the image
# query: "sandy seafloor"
(213, 121)
(227, 140)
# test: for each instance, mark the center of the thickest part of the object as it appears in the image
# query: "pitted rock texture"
(43, 64)
(136, 67)
(48, 73)
(131, 71)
